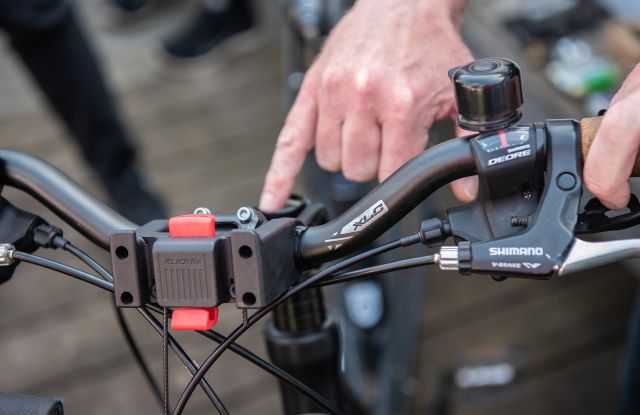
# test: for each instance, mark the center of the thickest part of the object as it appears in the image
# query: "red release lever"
(193, 226)
(194, 318)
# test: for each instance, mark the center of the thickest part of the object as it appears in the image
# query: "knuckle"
(401, 104)
(364, 83)
(331, 79)
(289, 141)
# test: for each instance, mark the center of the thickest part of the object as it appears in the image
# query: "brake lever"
(594, 217)
(584, 255)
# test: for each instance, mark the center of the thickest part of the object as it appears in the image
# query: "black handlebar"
(62, 195)
(389, 202)
(363, 222)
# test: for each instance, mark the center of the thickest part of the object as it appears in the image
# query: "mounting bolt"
(202, 211)
(245, 214)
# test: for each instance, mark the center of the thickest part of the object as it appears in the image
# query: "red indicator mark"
(503, 139)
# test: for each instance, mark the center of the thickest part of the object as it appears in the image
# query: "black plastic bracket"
(262, 262)
(596, 217)
(510, 166)
(251, 266)
(533, 253)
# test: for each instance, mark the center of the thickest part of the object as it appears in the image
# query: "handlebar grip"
(588, 129)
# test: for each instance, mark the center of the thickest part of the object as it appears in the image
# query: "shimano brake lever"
(584, 255)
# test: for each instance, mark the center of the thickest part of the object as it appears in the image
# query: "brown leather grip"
(588, 129)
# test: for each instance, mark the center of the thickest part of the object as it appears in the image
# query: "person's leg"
(630, 374)
(215, 22)
(53, 46)
(62, 63)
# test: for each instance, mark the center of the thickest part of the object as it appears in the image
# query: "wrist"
(438, 16)
(445, 9)
(453, 8)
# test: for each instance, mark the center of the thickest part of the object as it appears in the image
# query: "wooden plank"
(587, 388)
(552, 326)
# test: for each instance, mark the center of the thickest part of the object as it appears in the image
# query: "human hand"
(368, 101)
(615, 146)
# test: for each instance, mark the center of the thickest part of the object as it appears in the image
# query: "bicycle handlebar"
(384, 206)
(62, 195)
(388, 202)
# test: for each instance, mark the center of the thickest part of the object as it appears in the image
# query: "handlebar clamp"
(248, 265)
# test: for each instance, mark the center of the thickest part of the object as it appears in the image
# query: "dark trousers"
(48, 38)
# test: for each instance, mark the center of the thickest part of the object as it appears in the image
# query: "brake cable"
(212, 335)
(62, 268)
(165, 360)
(258, 315)
(377, 269)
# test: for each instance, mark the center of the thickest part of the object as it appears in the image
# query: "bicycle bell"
(488, 94)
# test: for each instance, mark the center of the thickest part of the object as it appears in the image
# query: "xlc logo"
(363, 220)
(509, 157)
(519, 251)
(368, 217)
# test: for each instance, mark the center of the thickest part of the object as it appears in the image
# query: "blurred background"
(204, 125)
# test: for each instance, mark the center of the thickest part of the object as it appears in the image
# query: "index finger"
(294, 142)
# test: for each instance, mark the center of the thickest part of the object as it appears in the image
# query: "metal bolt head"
(527, 194)
(202, 211)
(245, 214)
(6, 254)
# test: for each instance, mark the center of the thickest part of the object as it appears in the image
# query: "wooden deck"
(208, 143)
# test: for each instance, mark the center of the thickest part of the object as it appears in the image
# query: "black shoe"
(129, 14)
(133, 198)
(209, 29)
